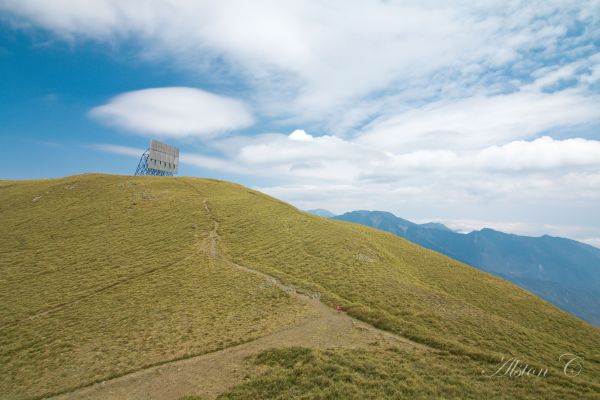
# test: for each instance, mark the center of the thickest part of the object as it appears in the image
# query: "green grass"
(391, 373)
(398, 286)
(125, 286)
(117, 265)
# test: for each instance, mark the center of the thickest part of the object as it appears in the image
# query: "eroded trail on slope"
(214, 373)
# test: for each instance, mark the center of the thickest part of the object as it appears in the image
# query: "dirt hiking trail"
(211, 374)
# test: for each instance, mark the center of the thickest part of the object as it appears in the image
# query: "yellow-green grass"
(104, 275)
(116, 275)
(387, 373)
(398, 286)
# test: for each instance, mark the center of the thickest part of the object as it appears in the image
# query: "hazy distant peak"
(321, 212)
(436, 225)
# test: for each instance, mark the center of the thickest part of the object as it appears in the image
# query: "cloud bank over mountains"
(427, 109)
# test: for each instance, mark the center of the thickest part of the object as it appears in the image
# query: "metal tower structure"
(159, 159)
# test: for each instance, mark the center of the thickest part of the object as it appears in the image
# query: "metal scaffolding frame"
(143, 169)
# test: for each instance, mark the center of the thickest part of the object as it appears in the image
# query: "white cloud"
(479, 121)
(300, 135)
(116, 149)
(324, 61)
(496, 170)
(345, 160)
(212, 163)
(540, 154)
(174, 112)
(283, 149)
(196, 160)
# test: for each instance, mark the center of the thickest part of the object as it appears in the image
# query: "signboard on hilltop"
(159, 159)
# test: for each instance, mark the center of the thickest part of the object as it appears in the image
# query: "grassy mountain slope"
(104, 275)
(562, 271)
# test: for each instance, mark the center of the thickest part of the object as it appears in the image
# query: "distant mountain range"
(321, 213)
(562, 271)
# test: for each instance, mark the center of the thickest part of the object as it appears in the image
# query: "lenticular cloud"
(174, 112)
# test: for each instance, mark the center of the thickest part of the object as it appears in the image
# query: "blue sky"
(49, 87)
(473, 115)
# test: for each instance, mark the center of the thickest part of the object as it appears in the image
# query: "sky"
(474, 114)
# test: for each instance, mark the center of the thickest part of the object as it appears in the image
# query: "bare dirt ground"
(210, 374)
